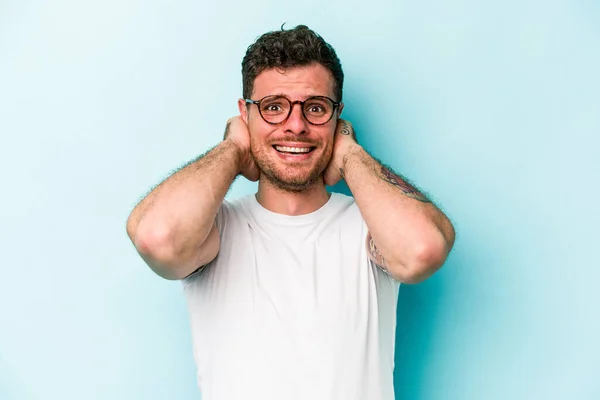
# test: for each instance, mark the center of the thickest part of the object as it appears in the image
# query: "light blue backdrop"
(491, 107)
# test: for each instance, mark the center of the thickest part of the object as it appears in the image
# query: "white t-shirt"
(292, 308)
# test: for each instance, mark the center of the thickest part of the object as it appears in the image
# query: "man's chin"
(293, 184)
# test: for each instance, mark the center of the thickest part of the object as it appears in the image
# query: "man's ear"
(242, 106)
(340, 108)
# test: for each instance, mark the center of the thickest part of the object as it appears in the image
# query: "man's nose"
(296, 122)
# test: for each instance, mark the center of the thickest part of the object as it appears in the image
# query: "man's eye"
(315, 108)
(272, 108)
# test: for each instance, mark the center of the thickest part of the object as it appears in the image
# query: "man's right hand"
(237, 132)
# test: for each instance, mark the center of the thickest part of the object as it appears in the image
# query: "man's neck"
(291, 203)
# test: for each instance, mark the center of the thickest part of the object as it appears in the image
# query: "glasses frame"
(336, 104)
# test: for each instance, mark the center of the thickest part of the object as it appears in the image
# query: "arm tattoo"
(403, 185)
(345, 128)
(376, 256)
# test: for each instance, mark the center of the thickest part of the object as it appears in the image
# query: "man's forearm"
(177, 216)
(409, 236)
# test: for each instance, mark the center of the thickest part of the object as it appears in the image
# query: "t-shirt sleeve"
(222, 215)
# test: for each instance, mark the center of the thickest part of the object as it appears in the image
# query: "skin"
(288, 186)
(173, 228)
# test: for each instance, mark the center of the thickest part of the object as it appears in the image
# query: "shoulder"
(341, 198)
(233, 208)
(342, 202)
(342, 209)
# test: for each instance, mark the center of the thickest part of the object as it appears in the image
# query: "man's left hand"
(344, 141)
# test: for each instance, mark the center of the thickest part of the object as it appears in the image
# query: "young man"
(292, 292)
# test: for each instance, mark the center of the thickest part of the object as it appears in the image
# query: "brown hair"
(295, 47)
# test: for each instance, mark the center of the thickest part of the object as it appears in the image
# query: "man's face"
(291, 171)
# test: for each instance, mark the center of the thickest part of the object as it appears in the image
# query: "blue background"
(493, 108)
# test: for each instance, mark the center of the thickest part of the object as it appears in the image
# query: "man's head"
(299, 66)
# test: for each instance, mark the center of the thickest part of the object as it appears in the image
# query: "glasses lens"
(274, 109)
(318, 110)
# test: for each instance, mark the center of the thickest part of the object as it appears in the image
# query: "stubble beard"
(288, 182)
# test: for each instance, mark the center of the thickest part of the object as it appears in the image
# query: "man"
(292, 292)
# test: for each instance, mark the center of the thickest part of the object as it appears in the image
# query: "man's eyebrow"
(280, 94)
(305, 97)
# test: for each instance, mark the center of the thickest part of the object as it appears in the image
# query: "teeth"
(293, 149)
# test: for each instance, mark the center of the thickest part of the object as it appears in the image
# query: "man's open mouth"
(294, 150)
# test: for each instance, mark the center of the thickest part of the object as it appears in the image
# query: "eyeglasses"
(275, 109)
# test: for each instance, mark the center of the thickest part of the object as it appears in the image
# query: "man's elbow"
(131, 227)
(425, 261)
(156, 249)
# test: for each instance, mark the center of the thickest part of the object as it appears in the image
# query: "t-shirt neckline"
(260, 211)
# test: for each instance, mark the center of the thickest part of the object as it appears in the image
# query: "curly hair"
(295, 47)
